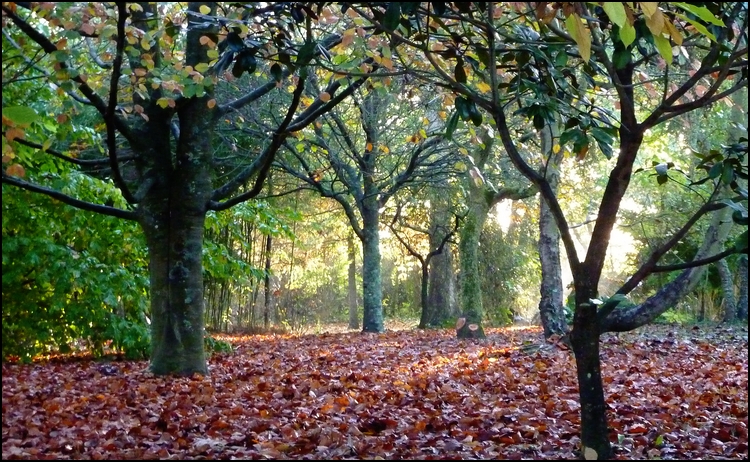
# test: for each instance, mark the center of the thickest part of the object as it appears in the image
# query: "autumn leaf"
(404, 394)
(16, 170)
(324, 96)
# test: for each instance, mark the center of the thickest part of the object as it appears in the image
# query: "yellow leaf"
(324, 96)
(368, 148)
(649, 8)
(162, 102)
(673, 32)
(580, 34)
(655, 23)
(145, 44)
(204, 9)
(384, 148)
(211, 103)
(483, 87)
(556, 148)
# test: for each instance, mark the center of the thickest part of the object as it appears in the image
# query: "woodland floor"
(674, 393)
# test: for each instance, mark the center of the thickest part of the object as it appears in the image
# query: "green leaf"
(392, 16)
(664, 47)
(701, 28)
(716, 170)
(603, 140)
(21, 115)
(276, 72)
(459, 72)
(462, 106)
(451, 125)
(621, 57)
(702, 12)
(616, 12)
(727, 174)
(740, 244)
(474, 114)
(739, 218)
(234, 42)
(306, 53)
(627, 34)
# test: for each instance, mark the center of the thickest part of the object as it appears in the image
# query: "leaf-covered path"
(673, 394)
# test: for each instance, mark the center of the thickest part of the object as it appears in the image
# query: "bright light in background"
(504, 215)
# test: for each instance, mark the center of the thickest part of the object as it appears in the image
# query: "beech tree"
(159, 79)
(509, 60)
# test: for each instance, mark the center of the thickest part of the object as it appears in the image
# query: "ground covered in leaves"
(673, 393)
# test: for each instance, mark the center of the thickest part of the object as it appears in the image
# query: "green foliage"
(674, 316)
(70, 276)
(510, 272)
(212, 345)
(130, 337)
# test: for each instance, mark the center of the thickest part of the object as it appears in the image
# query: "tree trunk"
(172, 216)
(267, 285)
(551, 289)
(441, 292)
(727, 287)
(742, 299)
(440, 306)
(352, 286)
(372, 291)
(585, 341)
(472, 311)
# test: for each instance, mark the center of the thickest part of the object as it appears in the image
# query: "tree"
(153, 76)
(482, 196)
(361, 158)
(497, 62)
(438, 238)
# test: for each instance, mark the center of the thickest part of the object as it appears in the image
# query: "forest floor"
(673, 393)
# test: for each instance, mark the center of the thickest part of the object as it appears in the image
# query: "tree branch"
(77, 203)
(72, 160)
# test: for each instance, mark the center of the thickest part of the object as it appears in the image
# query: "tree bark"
(267, 292)
(352, 284)
(441, 293)
(472, 310)
(440, 306)
(584, 339)
(742, 299)
(727, 288)
(372, 291)
(172, 216)
(551, 290)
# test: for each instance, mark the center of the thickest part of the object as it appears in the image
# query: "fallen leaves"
(398, 395)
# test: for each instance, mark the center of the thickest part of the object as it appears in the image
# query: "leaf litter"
(673, 393)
